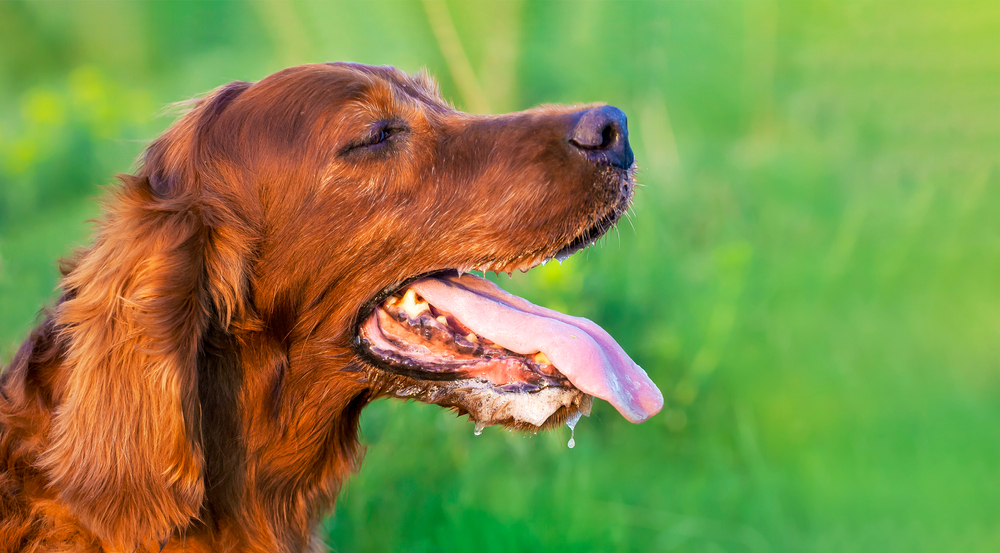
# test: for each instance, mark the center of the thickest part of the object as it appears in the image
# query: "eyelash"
(379, 137)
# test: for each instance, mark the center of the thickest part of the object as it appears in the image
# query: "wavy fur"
(195, 387)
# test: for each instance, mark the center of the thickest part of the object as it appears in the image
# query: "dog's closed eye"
(380, 136)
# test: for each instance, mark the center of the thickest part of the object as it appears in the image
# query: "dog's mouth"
(462, 342)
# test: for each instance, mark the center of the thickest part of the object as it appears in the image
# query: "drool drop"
(571, 423)
(479, 428)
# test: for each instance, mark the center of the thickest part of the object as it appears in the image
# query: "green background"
(811, 272)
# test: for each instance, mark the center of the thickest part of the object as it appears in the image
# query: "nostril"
(608, 137)
(586, 139)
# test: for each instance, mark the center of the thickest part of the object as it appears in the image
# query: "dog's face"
(390, 184)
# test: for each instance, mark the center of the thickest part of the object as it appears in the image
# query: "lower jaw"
(517, 405)
(542, 409)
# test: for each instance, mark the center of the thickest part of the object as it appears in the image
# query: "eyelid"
(374, 137)
(391, 127)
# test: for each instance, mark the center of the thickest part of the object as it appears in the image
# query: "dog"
(288, 251)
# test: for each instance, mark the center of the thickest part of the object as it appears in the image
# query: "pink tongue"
(587, 355)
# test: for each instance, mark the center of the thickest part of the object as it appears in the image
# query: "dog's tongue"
(582, 351)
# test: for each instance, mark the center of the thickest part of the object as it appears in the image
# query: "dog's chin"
(487, 404)
(454, 339)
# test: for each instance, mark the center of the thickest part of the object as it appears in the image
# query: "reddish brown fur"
(195, 386)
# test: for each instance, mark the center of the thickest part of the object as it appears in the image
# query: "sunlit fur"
(194, 388)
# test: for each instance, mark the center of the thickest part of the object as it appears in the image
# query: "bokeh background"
(811, 272)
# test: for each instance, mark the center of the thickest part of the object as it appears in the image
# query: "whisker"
(628, 216)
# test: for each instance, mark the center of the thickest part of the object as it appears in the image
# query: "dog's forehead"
(420, 87)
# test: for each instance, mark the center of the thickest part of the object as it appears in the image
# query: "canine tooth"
(411, 306)
(541, 359)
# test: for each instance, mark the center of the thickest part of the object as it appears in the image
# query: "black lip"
(414, 373)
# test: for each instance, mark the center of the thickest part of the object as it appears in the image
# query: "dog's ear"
(125, 448)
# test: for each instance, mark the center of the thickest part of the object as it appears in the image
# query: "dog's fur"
(195, 388)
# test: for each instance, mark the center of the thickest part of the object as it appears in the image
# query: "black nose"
(602, 134)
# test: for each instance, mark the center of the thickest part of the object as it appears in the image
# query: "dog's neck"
(279, 448)
(269, 477)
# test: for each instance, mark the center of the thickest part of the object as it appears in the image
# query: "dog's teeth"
(544, 261)
(412, 306)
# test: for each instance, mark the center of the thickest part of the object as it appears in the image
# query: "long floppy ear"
(125, 448)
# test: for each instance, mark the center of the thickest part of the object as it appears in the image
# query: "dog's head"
(315, 229)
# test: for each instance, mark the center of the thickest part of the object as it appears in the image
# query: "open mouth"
(423, 341)
(467, 344)
(420, 332)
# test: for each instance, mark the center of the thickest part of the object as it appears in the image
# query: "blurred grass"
(810, 272)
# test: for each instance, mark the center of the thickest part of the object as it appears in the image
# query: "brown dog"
(290, 250)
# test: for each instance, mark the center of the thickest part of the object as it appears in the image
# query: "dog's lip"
(590, 236)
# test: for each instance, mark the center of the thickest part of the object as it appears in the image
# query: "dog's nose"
(602, 134)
